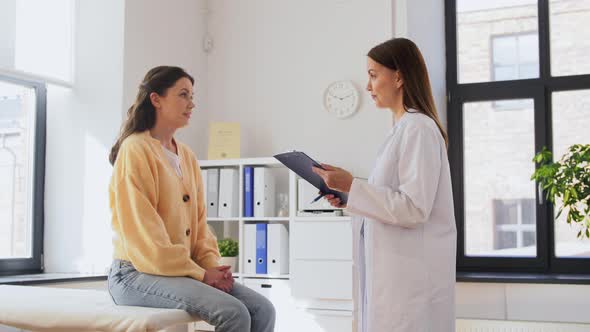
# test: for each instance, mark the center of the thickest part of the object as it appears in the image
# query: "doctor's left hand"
(335, 177)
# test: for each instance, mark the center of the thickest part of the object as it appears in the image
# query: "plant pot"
(231, 261)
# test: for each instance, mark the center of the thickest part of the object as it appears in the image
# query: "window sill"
(523, 278)
(488, 277)
(49, 278)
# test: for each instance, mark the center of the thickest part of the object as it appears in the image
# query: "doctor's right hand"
(334, 201)
(335, 178)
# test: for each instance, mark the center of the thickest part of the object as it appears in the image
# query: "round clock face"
(341, 98)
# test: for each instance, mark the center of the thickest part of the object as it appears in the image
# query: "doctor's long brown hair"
(141, 115)
(403, 55)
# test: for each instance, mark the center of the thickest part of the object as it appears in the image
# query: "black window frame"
(540, 90)
(33, 264)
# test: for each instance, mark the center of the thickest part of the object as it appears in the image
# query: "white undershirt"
(174, 160)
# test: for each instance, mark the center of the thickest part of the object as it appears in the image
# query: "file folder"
(228, 193)
(212, 192)
(278, 249)
(264, 193)
(204, 184)
(248, 191)
(249, 248)
(261, 267)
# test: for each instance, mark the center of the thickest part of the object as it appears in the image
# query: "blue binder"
(261, 241)
(248, 191)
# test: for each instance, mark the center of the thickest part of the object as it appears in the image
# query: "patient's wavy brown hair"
(141, 115)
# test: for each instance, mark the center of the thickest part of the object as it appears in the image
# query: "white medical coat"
(408, 248)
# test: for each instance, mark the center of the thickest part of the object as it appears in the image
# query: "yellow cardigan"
(159, 219)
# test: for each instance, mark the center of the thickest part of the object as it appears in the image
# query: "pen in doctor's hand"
(317, 198)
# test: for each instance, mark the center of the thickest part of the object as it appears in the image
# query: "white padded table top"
(60, 309)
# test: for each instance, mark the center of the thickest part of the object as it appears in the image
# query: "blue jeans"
(240, 310)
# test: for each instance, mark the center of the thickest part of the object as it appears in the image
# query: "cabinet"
(316, 293)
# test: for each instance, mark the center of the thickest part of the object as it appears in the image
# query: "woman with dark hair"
(164, 254)
(404, 225)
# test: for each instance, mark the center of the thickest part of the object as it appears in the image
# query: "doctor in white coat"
(404, 226)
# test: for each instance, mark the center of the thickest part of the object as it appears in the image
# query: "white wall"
(81, 125)
(7, 33)
(272, 61)
(423, 21)
(168, 33)
(523, 302)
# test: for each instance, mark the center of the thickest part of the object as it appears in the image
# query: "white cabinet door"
(276, 290)
(322, 240)
(322, 279)
(290, 318)
(324, 321)
(279, 293)
(322, 262)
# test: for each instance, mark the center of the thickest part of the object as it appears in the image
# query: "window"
(528, 57)
(514, 57)
(514, 226)
(22, 169)
(36, 48)
(501, 174)
(37, 38)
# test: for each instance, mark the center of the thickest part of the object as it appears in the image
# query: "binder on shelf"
(278, 249)
(228, 193)
(264, 192)
(212, 192)
(261, 232)
(204, 184)
(248, 191)
(249, 248)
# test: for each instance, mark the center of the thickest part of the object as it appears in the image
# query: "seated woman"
(164, 254)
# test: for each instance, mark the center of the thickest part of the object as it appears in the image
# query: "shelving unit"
(336, 218)
(234, 227)
(223, 219)
(310, 297)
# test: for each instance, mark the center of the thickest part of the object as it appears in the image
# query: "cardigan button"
(188, 232)
(186, 198)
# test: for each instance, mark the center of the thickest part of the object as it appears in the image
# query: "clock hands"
(348, 95)
(341, 98)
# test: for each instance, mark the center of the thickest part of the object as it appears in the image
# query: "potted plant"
(228, 249)
(567, 184)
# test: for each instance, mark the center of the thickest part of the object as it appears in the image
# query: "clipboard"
(301, 164)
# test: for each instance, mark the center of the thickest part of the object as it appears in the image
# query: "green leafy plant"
(227, 247)
(567, 182)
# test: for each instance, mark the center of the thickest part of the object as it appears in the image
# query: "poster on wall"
(224, 140)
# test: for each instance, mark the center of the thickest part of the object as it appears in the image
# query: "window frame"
(540, 90)
(33, 264)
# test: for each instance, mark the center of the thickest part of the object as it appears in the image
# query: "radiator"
(471, 325)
